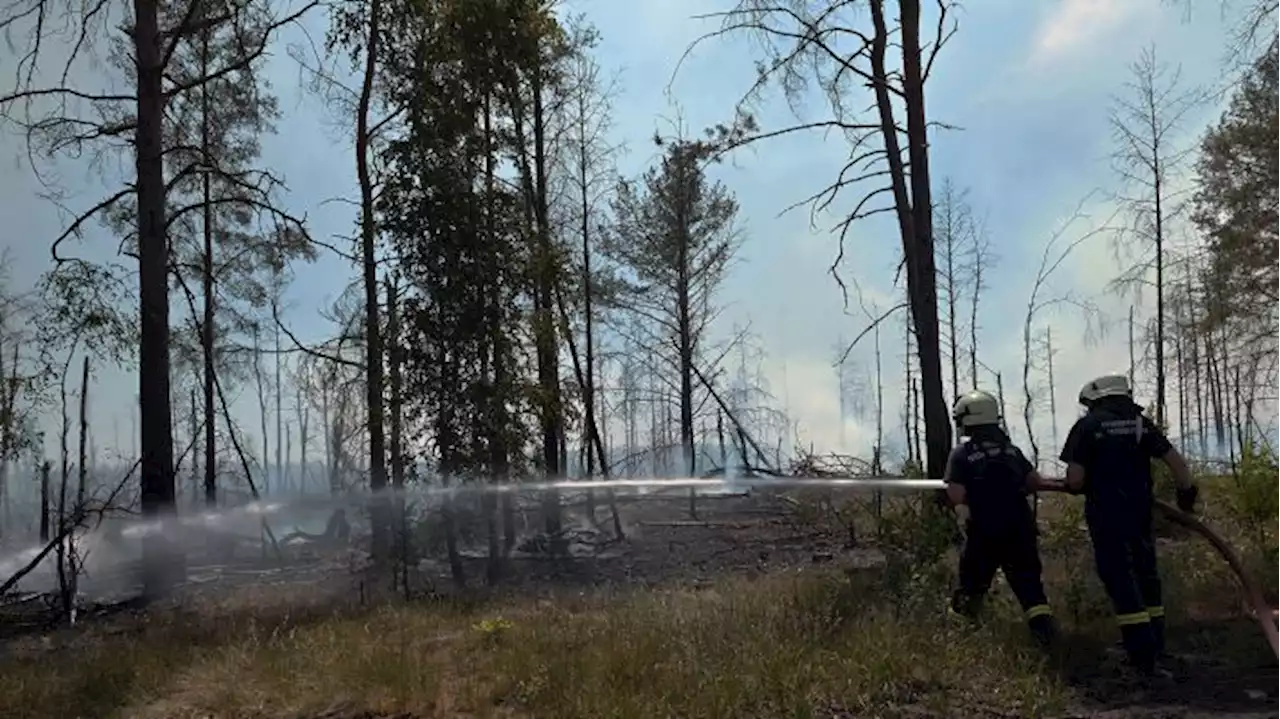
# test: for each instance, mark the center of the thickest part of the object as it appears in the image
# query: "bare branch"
(865, 330)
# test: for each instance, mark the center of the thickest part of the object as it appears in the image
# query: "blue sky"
(1028, 82)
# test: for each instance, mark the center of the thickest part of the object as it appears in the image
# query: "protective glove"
(1067, 488)
(1186, 497)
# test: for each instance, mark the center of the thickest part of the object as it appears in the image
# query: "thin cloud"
(1073, 27)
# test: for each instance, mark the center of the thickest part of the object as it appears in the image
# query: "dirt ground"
(745, 536)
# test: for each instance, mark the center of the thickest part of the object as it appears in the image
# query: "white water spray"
(114, 546)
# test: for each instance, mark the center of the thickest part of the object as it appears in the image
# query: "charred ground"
(766, 605)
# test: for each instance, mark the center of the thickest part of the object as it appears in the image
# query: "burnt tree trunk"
(206, 282)
(545, 339)
(380, 519)
(395, 360)
(45, 468)
(160, 561)
(684, 329)
(921, 268)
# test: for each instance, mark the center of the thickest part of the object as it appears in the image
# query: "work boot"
(1162, 654)
(1148, 671)
(1157, 636)
(1140, 646)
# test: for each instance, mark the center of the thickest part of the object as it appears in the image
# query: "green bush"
(915, 536)
(1253, 493)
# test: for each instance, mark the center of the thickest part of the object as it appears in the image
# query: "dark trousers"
(1125, 555)
(1015, 553)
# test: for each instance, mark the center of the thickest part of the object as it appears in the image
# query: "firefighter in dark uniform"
(1108, 453)
(992, 477)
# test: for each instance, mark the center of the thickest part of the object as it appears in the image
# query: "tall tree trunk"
(330, 443)
(1053, 402)
(195, 451)
(655, 440)
(7, 406)
(1213, 377)
(288, 456)
(1193, 323)
(630, 418)
(45, 468)
(303, 438)
(68, 561)
(281, 469)
(368, 250)
(83, 445)
(1224, 377)
(1028, 400)
(1239, 419)
(395, 358)
(921, 269)
(446, 442)
(160, 560)
(1000, 397)
(206, 281)
(877, 452)
(1179, 361)
(592, 430)
(673, 457)
(879, 447)
(499, 510)
(262, 411)
(915, 418)
(588, 311)
(11, 442)
(973, 316)
(684, 328)
(1229, 409)
(1132, 359)
(589, 380)
(545, 340)
(1157, 183)
(950, 277)
(724, 454)
(909, 412)
(394, 364)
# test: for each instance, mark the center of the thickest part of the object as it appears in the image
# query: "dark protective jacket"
(1115, 443)
(993, 472)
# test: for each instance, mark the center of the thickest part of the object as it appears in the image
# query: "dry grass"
(801, 645)
(779, 647)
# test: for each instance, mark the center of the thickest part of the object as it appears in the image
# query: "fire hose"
(1257, 604)
(1262, 612)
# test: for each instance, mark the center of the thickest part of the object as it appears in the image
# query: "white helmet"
(1109, 385)
(975, 409)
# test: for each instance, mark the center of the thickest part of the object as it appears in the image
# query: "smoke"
(111, 551)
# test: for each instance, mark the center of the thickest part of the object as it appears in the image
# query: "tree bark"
(45, 468)
(380, 519)
(545, 340)
(206, 277)
(395, 362)
(160, 561)
(922, 272)
(683, 327)
(83, 445)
